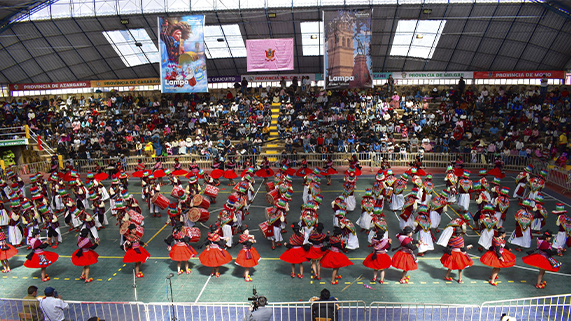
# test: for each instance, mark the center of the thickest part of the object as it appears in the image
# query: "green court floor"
(114, 280)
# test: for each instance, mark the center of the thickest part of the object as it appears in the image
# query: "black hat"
(501, 231)
(457, 230)
(132, 227)
(380, 234)
(547, 234)
(319, 227)
(406, 230)
(337, 231)
(84, 232)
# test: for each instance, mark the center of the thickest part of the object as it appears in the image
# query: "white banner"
(277, 78)
(433, 75)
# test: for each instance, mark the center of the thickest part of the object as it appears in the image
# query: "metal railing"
(389, 311)
(552, 308)
(12, 133)
(45, 146)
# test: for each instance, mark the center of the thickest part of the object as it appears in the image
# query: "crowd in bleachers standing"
(521, 121)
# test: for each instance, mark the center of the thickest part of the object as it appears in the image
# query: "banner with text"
(278, 78)
(552, 74)
(269, 54)
(50, 86)
(433, 75)
(181, 47)
(347, 58)
(219, 79)
(126, 82)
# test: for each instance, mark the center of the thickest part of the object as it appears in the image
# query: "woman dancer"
(317, 239)
(405, 259)
(6, 252)
(85, 255)
(179, 248)
(498, 256)
(214, 255)
(334, 258)
(295, 253)
(455, 256)
(39, 258)
(379, 260)
(328, 170)
(543, 260)
(134, 250)
(248, 256)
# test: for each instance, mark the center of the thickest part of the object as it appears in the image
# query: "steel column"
(295, 38)
(227, 45)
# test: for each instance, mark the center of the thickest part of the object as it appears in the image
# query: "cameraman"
(53, 305)
(262, 313)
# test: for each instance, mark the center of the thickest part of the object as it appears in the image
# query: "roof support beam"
(390, 35)
(212, 60)
(96, 49)
(55, 51)
(506, 37)
(530, 36)
(226, 39)
(153, 30)
(294, 38)
(551, 45)
(17, 64)
(460, 36)
(482, 38)
(29, 53)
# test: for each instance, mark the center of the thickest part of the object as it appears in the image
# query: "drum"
(177, 192)
(161, 201)
(272, 196)
(199, 200)
(140, 231)
(241, 201)
(135, 217)
(211, 191)
(269, 186)
(124, 228)
(197, 214)
(269, 211)
(266, 229)
(193, 233)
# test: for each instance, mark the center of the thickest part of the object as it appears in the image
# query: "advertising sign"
(269, 54)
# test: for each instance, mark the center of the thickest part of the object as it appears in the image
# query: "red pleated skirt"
(301, 172)
(539, 261)
(34, 263)
(383, 261)
(404, 261)
(182, 252)
(329, 172)
(294, 255)
(357, 172)
(265, 173)
(496, 172)
(491, 259)
(335, 260)
(214, 257)
(314, 253)
(159, 173)
(8, 253)
(179, 172)
(459, 172)
(456, 261)
(87, 258)
(242, 261)
(230, 174)
(217, 173)
(131, 256)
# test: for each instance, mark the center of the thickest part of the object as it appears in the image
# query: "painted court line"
(204, 287)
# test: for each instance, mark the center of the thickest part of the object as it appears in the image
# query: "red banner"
(537, 74)
(51, 86)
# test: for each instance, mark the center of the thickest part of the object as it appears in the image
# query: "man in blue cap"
(53, 305)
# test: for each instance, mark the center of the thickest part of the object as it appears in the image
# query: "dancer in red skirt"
(317, 238)
(6, 252)
(179, 248)
(379, 260)
(334, 258)
(215, 254)
(265, 171)
(39, 258)
(85, 255)
(248, 256)
(543, 260)
(303, 170)
(328, 170)
(295, 253)
(229, 173)
(455, 256)
(405, 259)
(134, 250)
(498, 256)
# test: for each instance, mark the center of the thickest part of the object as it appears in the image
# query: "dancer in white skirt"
(464, 189)
(4, 218)
(501, 205)
(397, 200)
(540, 214)
(522, 181)
(337, 205)
(449, 230)
(488, 222)
(564, 224)
(349, 191)
(52, 226)
(14, 231)
(438, 205)
(522, 234)
(114, 194)
(536, 184)
(427, 190)
(349, 233)
(422, 226)
(379, 224)
(406, 218)
(367, 206)
(451, 183)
